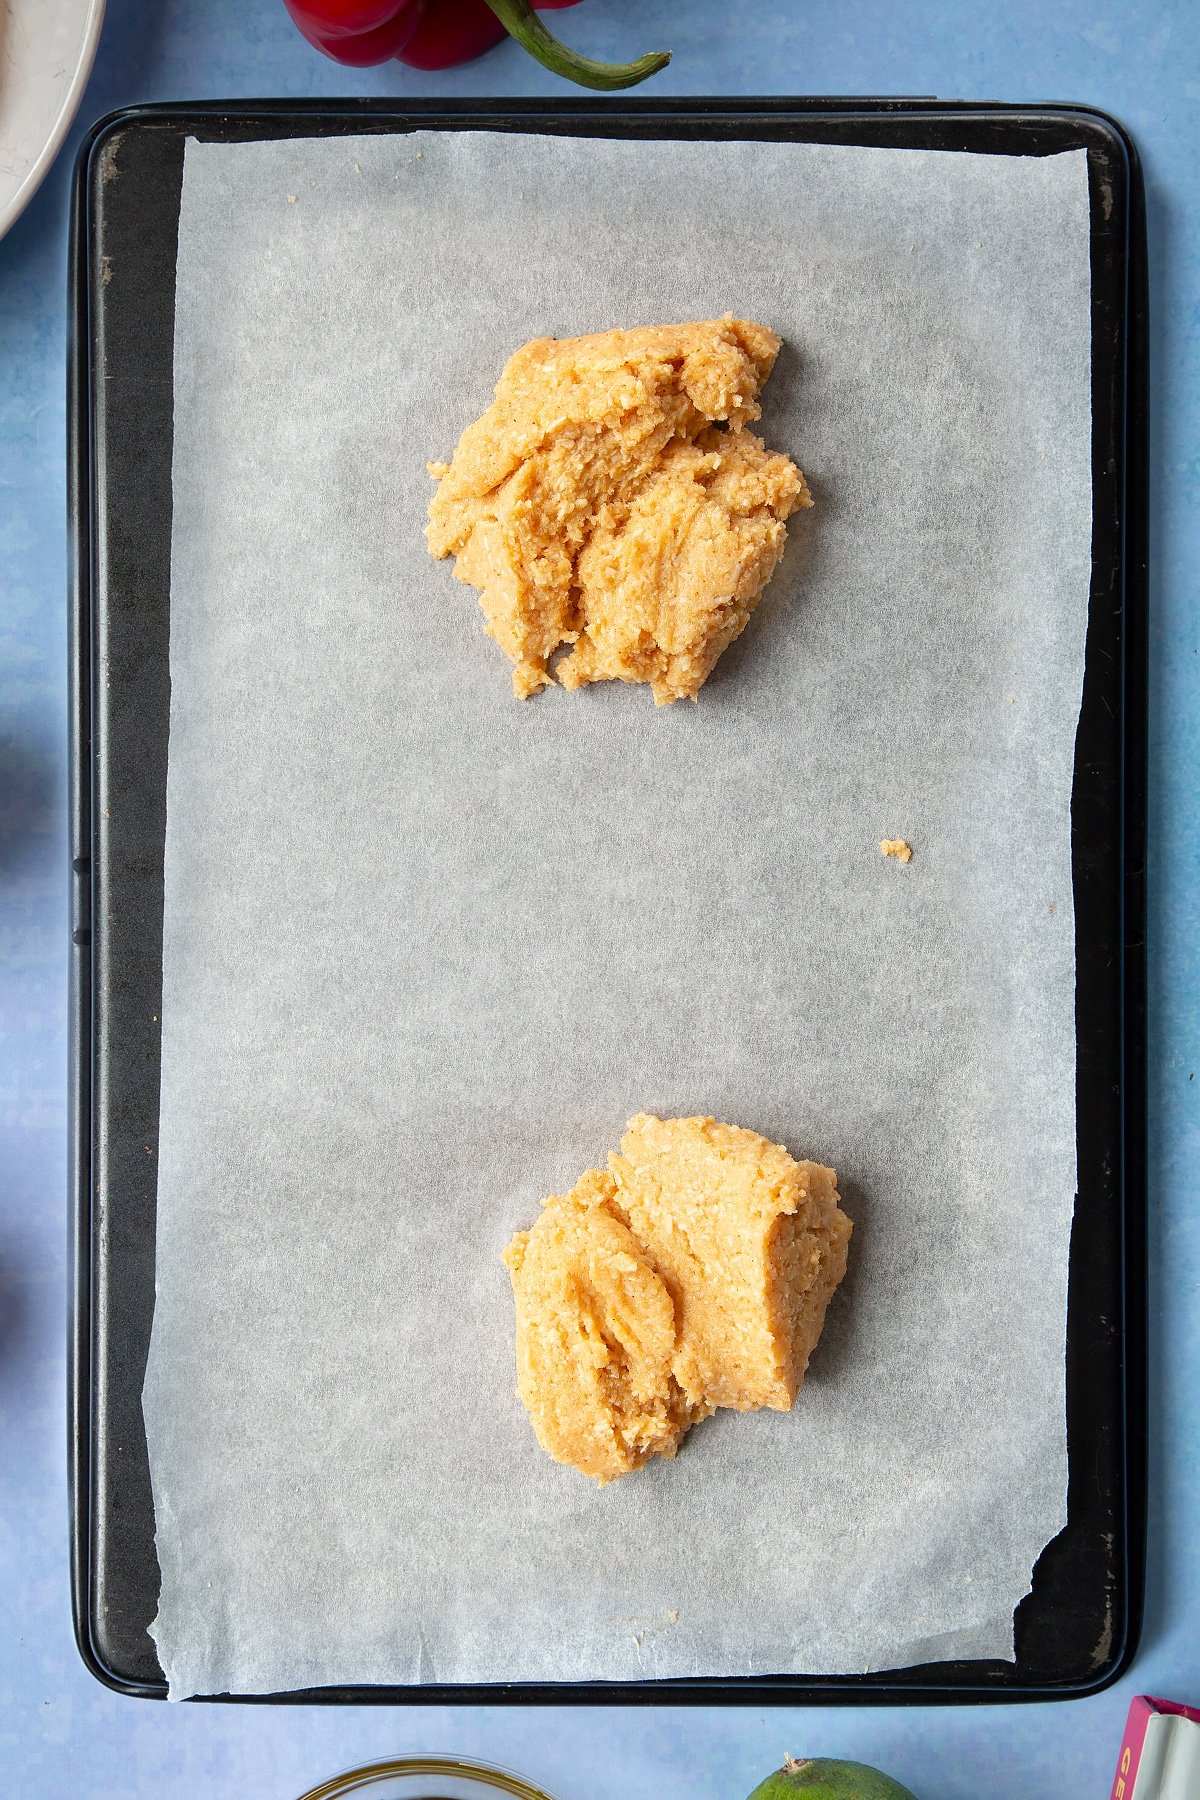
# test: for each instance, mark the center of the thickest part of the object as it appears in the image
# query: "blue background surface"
(60, 1732)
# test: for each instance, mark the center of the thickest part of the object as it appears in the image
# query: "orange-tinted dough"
(694, 1273)
(594, 504)
(595, 1336)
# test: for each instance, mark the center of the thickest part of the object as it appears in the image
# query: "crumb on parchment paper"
(897, 847)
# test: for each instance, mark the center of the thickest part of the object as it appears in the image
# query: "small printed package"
(1160, 1755)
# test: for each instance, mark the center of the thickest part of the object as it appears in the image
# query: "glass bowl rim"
(431, 1763)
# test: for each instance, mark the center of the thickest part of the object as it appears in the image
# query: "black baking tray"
(1077, 1629)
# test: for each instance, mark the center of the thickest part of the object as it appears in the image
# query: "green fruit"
(821, 1778)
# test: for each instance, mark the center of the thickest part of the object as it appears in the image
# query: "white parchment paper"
(426, 948)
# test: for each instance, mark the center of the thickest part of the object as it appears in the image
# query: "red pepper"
(433, 34)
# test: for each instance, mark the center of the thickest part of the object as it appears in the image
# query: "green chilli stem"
(521, 22)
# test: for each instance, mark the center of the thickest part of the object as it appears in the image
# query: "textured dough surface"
(595, 1336)
(694, 1273)
(596, 504)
